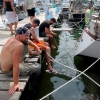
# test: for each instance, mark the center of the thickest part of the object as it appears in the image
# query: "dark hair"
(37, 21)
(53, 19)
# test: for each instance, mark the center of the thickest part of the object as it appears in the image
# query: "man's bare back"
(11, 56)
(6, 54)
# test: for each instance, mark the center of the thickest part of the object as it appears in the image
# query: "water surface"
(81, 88)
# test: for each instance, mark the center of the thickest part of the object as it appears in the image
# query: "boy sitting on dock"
(44, 31)
(42, 45)
(11, 56)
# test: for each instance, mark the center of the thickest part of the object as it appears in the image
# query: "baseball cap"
(36, 21)
(22, 30)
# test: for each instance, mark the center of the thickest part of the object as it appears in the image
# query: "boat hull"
(82, 62)
(88, 46)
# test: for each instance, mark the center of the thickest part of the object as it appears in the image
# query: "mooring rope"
(76, 69)
(72, 80)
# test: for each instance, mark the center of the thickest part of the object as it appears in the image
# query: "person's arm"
(17, 53)
(4, 5)
(48, 31)
(12, 5)
(32, 31)
(35, 46)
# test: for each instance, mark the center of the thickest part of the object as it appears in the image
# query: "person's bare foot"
(52, 60)
(53, 47)
(51, 70)
(12, 33)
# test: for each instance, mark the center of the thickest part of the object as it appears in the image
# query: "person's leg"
(10, 26)
(9, 16)
(28, 68)
(32, 18)
(48, 60)
(50, 40)
(32, 14)
(25, 69)
(16, 23)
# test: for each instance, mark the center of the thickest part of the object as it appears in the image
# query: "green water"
(80, 88)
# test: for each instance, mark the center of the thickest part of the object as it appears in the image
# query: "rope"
(70, 80)
(75, 69)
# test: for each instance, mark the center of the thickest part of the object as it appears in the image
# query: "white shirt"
(30, 4)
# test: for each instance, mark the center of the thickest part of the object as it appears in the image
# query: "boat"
(64, 12)
(77, 10)
(89, 42)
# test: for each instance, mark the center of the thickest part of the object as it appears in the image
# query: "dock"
(24, 82)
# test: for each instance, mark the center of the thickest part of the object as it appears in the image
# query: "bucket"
(54, 5)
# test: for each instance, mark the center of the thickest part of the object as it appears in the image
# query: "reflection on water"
(80, 88)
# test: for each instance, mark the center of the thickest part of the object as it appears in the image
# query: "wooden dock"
(6, 83)
(25, 82)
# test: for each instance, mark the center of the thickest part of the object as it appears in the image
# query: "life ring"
(87, 20)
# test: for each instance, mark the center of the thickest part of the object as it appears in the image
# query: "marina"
(78, 75)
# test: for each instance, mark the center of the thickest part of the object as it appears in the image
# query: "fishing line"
(71, 80)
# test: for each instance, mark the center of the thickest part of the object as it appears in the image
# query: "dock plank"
(44, 38)
(31, 60)
(4, 86)
(4, 95)
(3, 78)
(3, 41)
(29, 56)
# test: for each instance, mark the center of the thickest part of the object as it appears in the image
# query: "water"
(81, 88)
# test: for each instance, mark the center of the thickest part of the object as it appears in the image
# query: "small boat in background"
(64, 10)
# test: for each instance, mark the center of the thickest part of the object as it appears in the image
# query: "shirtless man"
(11, 56)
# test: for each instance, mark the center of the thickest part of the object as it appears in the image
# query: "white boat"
(89, 42)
